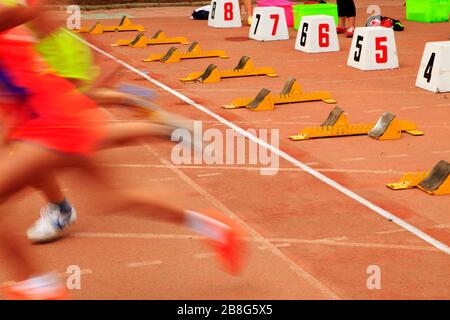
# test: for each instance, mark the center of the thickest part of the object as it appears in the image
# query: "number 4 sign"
(434, 71)
(225, 14)
(373, 48)
(268, 24)
(317, 34)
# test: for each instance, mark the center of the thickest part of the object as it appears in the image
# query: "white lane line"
(353, 159)
(402, 155)
(275, 242)
(209, 175)
(409, 108)
(205, 255)
(144, 264)
(390, 231)
(349, 193)
(440, 151)
(198, 167)
(278, 245)
(373, 111)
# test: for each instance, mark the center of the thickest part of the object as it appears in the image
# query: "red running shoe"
(227, 242)
(341, 29)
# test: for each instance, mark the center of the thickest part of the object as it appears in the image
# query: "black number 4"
(258, 17)
(357, 56)
(429, 68)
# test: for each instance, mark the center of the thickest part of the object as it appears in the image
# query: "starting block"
(225, 14)
(193, 52)
(317, 34)
(244, 68)
(434, 71)
(373, 48)
(124, 25)
(435, 182)
(337, 125)
(268, 24)
(291, 93)
(158, 38)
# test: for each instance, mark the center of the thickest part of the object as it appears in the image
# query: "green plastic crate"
(427, 10)
(301, 10)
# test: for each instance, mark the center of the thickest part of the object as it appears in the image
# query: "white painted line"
(278, 245)
(205, 255)
(199, 167)
(209, 174)
(402, 155)
(275, 242)
(390, 231)
(440, 151)
(373, 111)
(409, 108)
(353, 159)
(349, 193)
(144, 264)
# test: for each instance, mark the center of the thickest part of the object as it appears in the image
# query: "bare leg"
(351, 21)
(341, 22)
(18, 169)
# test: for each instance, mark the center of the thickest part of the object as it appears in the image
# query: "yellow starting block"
(244, 68)
(291, 93)
(158, 38)
(124, 25)
(193, 52)
(435, 182)
(337, 125)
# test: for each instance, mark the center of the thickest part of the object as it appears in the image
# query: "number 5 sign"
(373, 48)
(225, 14)
(268, 24)
(434, 71)
(317, 34)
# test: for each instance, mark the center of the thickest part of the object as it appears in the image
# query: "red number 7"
(275, 17)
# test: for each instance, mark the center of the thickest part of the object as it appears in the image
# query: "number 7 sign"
(373, 48)
(268, 24)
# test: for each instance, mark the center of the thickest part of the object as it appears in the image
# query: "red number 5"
(381, 57)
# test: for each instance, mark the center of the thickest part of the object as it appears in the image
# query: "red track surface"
(321, 241)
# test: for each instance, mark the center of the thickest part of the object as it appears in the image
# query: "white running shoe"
(51, 225)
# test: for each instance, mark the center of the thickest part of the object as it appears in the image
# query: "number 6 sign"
(225, 14)
(373, 48)
(317, 34)
(268, 24)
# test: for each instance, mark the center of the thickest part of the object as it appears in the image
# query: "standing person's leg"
(341, 8)
(351, 17)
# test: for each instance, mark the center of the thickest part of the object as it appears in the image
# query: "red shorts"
(53, 114)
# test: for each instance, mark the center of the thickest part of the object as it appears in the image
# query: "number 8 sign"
(225, 14)
(317, 34)
(373, 48)
(268, 24)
